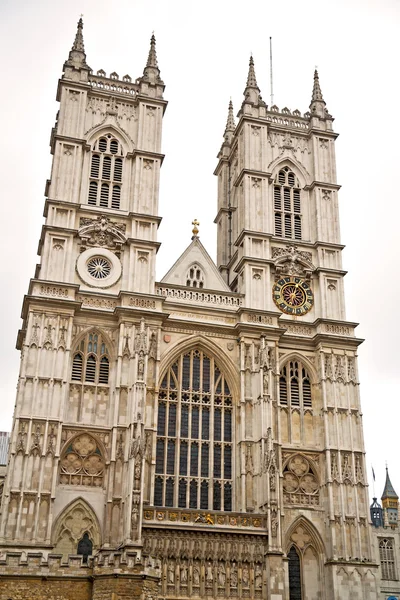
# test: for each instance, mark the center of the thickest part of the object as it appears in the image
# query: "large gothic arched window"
(106, 173)
(194, 436)
(386, 556)
(299, 421)
(287, 205)
(295, 386)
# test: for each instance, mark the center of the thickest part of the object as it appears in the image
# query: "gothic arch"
(303, 359)
(104, 129)
(279, 163)
(76, 519)
(309, 530)
(81, 336)
(202, 343)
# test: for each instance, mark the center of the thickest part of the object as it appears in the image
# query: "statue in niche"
(196, 575)
(184, 573)
(171, 573)
(258, 577)
(265, 381)
(221, 574)
(245, 576)
(234, 576)
(209, 574)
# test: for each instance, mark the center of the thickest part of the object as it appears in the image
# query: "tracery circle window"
(82, 463)
(99, 267)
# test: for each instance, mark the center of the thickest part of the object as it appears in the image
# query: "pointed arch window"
(91, 362)
(287, 205)
(294, 575)
(295, 385)
(194, 436)
(386, 556)
(106, 173)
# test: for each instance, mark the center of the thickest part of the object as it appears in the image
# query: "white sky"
(203, 52)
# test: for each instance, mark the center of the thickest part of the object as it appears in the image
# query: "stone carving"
(34, 333)
(184, 573)
(300, 537)
(347, 475)
(209, 574)
(334, 467)
(51, 440)
(234, 575)
(35, 448)
(249, 460)
(126, 351)
(21, 441)
(288, 141)
(340, 372)
(153, 346)
(274, 522)
(269, 460)
(101, 232)
(48, 338)
(245, 576)
(300, 485)
(351, 370)
(328, 367)
(196, 575)
(359, 470)
(258, 577)
(82, 462)
(171, 573)
(221, 575)
(291, 261)
(61, 335)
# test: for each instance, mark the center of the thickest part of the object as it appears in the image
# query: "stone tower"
(200, 436)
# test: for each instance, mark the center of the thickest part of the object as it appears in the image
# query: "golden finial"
(195, 229)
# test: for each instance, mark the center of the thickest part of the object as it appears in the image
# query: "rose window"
(99, 267)
(300, 484)
(82, 463)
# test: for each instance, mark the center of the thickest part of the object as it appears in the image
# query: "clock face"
(293, 295)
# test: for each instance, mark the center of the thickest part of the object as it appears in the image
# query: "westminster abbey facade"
(201, 436)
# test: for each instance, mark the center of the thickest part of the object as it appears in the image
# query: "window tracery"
(106, 173)
(194, 436)
(287, 205)
(300, 483)
(91, 362)
(295, 386)
(82, 462)
(386, 556)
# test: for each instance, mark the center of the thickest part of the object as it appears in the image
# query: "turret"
(76, 61)
(390, 502)
(151, 83)
(376, 513)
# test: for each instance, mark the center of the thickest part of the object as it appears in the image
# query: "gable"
(195, 268)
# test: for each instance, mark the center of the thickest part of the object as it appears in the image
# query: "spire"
(316, 93)
(389, 492)
(152, 58)
(77, 56)
(318, 104)
(230, 124)
(78, 43)
(252, 92)
(151, 73)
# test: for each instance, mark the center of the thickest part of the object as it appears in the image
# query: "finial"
(77, 56)
(152, 58)
(195, 229)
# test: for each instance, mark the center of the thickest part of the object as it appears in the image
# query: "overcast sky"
(203, 52)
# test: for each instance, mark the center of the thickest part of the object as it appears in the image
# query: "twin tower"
(201, 436)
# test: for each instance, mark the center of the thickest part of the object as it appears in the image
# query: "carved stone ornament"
(291, 261)
(101, 232)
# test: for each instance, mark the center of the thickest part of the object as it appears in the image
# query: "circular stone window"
(98, 267)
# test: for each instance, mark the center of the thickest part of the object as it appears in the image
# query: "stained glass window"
(194, 436)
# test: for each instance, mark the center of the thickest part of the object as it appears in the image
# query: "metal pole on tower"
(270, 71)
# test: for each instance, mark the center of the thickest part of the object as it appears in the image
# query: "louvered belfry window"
(295, 386)
(91, 363)
(106, 173)
(194, 436)
(287, 205)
